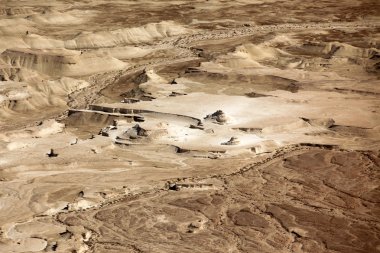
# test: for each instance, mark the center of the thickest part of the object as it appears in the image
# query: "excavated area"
(190, 126)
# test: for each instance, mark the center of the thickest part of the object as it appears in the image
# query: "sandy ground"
(190, 126)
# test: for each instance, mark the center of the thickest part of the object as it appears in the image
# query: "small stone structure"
(232, 141)
(218, 117)
(136, 132)
(51, 153)
(130, 100)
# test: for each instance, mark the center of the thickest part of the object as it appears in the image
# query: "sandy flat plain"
(190, 126)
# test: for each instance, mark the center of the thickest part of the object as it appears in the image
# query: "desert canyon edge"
(190, 126)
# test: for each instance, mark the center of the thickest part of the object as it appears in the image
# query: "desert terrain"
(190, 126)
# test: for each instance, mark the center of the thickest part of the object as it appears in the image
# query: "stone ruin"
(136, 132)
(232, 141)
(105, 131)
(218, 117)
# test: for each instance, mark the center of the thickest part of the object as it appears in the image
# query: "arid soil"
(190, 126)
